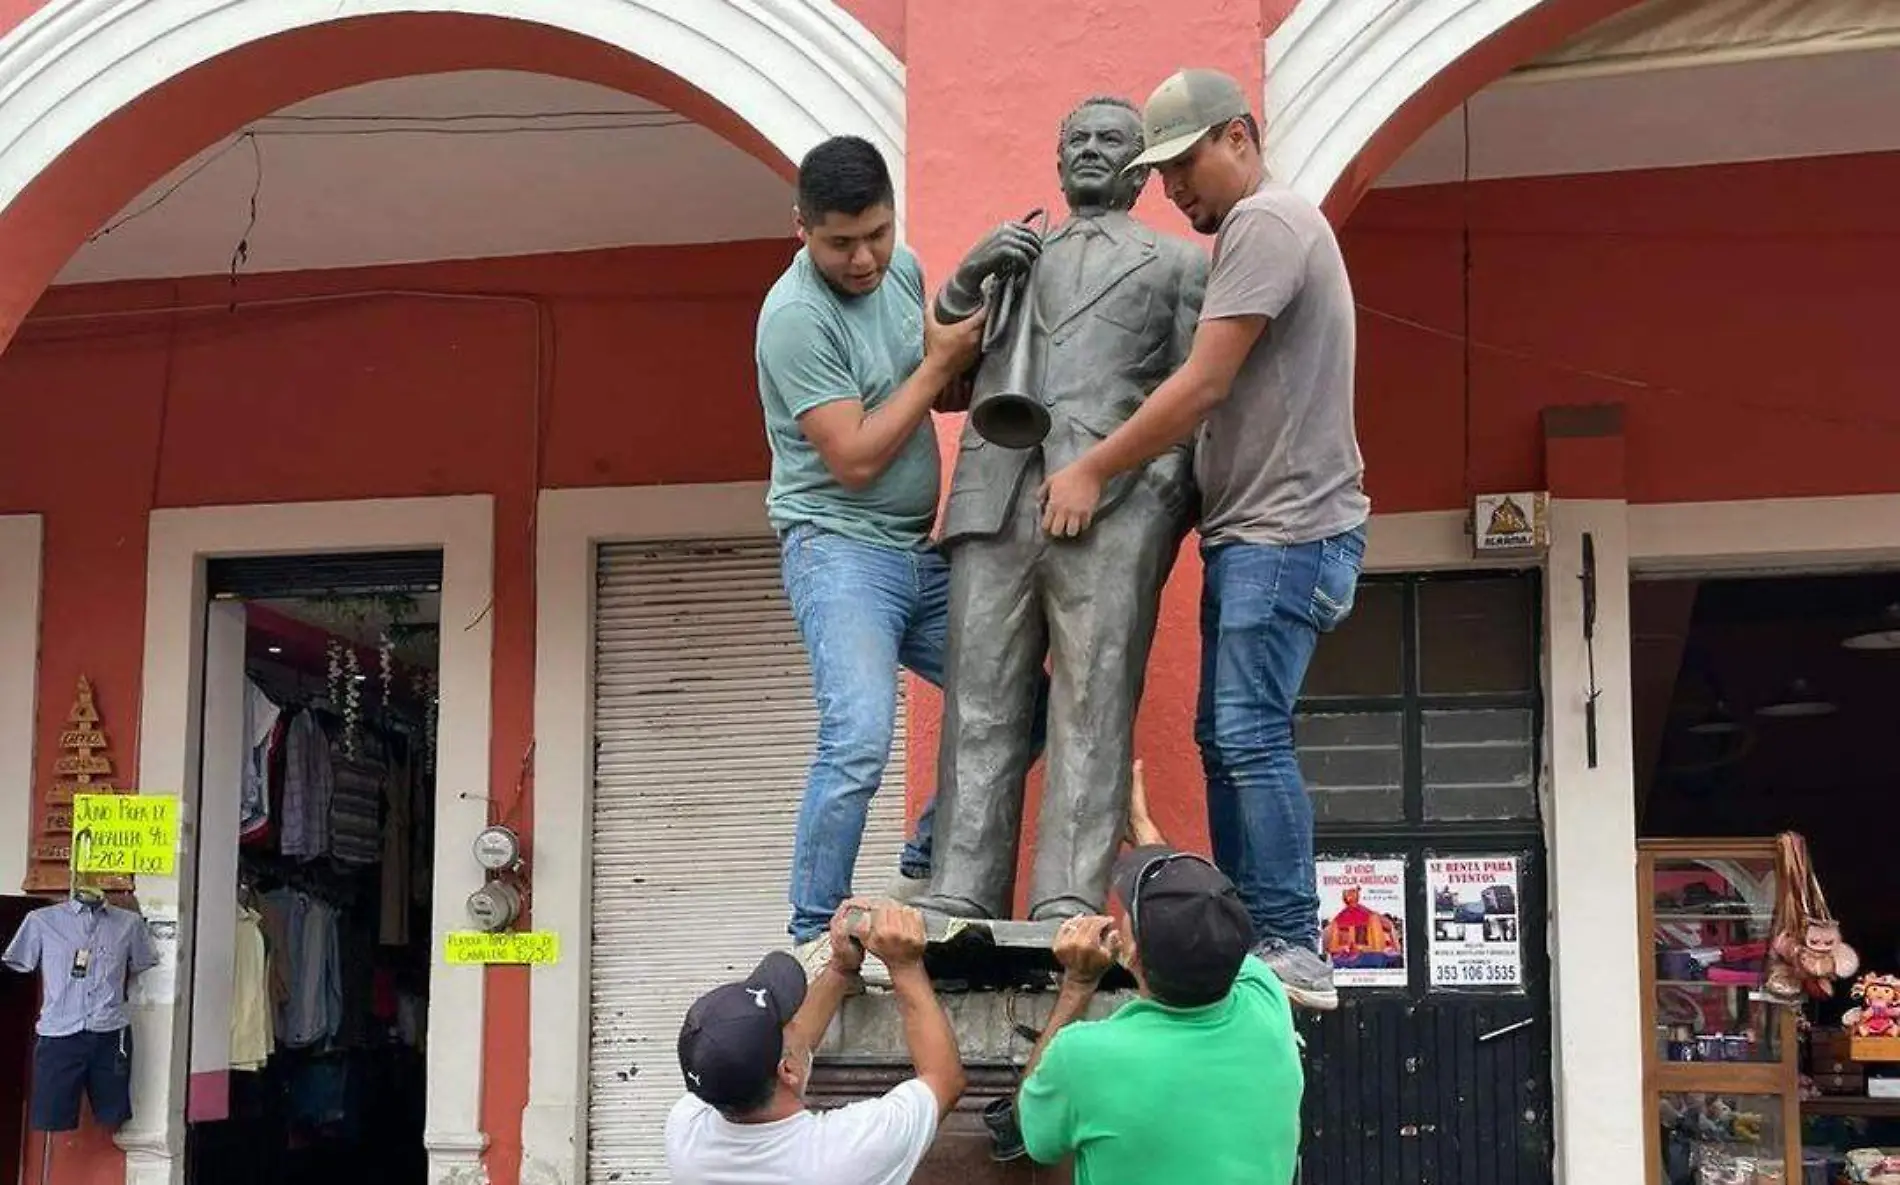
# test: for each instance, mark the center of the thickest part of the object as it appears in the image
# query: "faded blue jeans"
(1263, 608)
(862, 610)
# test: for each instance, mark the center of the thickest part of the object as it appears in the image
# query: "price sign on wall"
(534, 947)
(128, 834)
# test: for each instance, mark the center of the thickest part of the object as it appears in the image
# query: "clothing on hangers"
(252, 1039)
(393, 911)
(314, 1009)
(260, 717)
(356, 812)
(309, 781)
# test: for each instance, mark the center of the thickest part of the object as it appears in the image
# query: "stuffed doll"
(1878, 1014)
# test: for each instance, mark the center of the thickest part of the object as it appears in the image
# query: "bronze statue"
(1088, 321)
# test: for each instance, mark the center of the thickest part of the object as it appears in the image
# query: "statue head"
(1098, 140)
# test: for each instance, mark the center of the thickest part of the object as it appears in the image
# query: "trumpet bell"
(1010, 419)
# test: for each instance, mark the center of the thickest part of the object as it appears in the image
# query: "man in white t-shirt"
(746, 1052)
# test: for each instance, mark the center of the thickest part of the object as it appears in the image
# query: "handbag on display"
(1806, 953)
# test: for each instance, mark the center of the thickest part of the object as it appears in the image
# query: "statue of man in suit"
(1114, 307)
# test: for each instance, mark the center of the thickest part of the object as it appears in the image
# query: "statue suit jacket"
(1128, 326)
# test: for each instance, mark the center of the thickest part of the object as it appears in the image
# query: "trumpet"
(1004, 410)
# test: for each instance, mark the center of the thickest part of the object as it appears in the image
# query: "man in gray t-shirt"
(1267, 394)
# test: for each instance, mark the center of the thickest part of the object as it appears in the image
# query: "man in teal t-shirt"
(1200, 1079)
(849, 368)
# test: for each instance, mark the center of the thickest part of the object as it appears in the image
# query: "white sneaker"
(815, 955)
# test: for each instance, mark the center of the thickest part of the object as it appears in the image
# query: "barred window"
(1423, 706)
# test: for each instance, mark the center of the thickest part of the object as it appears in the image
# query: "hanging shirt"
(309, 780)
(314, 1008)
(84, 954)
(260, 717)
(251, 1038)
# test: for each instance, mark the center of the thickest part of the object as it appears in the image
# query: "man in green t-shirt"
(1198, 1080)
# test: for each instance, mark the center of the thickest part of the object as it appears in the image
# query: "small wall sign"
(532, 947)
(1511, 524)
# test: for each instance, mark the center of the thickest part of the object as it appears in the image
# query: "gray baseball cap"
(1183, 108)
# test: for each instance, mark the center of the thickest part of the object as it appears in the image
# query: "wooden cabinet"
(1719, 1060)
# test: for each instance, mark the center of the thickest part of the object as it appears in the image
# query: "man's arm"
(1258, 270)
(1044, 1105)
(827, 992)
(813, 376)
(1142, 830)
(1071, 1003)
(1164, 419)
(897, 937)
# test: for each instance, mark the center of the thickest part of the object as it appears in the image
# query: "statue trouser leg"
(1102, 593)
(853, 602)
(1263, 608)
(992, 679)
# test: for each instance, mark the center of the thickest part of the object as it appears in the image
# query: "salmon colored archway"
(1352, 85)
(111, 160)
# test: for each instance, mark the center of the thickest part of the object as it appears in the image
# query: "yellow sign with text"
(134, 834)
(534, 947)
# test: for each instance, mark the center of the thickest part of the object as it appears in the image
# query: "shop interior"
(331, 957)
(1764, 705)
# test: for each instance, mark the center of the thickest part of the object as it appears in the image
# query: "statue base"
(997, 982)
(965, 955)
(864, 1055)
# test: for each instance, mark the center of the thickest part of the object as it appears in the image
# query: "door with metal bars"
(1419, 738)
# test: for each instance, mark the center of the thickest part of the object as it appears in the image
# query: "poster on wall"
(1474, 940)
(1362, 920)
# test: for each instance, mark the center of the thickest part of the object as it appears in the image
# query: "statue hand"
(1011, 247)
(1069, 498)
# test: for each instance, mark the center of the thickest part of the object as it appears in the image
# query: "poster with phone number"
(1474, 939)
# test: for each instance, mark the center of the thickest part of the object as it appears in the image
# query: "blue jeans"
(1263, 609)
(862, 610)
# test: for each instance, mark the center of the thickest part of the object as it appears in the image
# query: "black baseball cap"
(734, 1035)
(1190, 927)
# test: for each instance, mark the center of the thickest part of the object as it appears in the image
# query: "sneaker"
(814, 955)
(1307, 977)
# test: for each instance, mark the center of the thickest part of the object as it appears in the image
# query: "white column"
(554, 1126)
(19, 690)
(1590, 820)
(216, 813)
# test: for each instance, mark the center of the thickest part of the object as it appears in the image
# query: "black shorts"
(99, 1064)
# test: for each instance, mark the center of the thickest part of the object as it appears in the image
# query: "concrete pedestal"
(864, 1055)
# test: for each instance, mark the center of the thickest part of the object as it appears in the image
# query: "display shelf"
(1719, 1065)
(1852, 1106)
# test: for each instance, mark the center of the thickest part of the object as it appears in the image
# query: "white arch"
(1337, 70)
(795, 70)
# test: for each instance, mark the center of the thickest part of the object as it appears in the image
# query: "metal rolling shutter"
(704, 727)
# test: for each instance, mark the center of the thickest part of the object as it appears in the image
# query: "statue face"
(1098, 141)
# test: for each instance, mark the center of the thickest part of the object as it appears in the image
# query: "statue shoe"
(951, 907)
(814, 955)
(1061, 909)
(906, 890)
